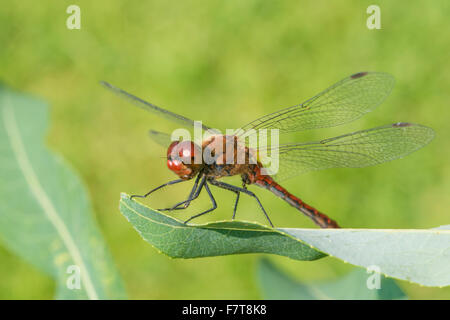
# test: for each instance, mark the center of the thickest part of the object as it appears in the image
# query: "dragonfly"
(343, 102)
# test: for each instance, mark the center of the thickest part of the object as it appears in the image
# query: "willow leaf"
(420, 256)
(45, 214)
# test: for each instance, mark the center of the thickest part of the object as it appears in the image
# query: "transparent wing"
(150, 107)
(345, 101)
(161, 138)
(353, 150)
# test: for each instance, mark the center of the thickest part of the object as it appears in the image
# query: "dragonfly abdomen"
(319, 218)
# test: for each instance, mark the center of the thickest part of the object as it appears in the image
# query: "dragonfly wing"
(353, 150)
(345, 101)
(150, 107)
(161, 138)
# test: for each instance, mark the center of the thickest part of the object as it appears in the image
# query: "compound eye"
(171, 148)
(185, 152)
(174, 165)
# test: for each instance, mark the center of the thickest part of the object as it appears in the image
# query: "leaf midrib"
(38, 192)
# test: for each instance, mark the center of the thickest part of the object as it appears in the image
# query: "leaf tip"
(124, 196)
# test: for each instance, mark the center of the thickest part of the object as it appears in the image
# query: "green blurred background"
(226, 63)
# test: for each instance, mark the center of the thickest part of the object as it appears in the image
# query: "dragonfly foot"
(136, 196)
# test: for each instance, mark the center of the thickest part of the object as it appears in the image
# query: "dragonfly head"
(181, 156)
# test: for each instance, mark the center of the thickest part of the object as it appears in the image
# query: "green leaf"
(276, 285)
(179, 240)
(419, 256)
(45, 215)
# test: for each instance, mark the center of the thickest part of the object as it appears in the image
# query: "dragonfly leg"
(235, 205)
(238, 194)
(157, 188)
(230, 187)
(213, 201)
(237, 199)
(195, 192)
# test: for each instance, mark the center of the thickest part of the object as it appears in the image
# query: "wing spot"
(401, 124)
(358, 75)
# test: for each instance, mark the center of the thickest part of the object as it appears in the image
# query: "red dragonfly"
(345, 101)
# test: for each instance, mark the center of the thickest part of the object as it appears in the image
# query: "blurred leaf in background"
(45, 214)
(277, 285)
